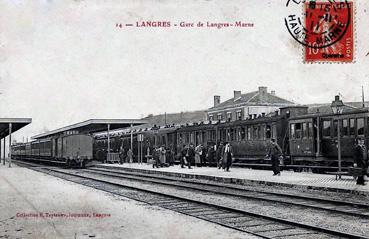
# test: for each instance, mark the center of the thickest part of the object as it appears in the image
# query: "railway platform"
(290, 179)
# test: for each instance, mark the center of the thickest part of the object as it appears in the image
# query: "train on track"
(73, 150)
(309, 141)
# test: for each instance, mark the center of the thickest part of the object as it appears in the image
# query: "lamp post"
(337, 108)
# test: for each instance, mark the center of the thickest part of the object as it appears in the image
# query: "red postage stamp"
(331, 32)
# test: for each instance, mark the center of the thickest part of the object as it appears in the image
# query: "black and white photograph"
(184, 119)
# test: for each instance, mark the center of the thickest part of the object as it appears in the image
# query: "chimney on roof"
(236, 94)
(216, 100)
(262, 93)
(272, 92)
(263, 89)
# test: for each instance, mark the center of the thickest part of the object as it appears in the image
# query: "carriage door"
(55, 148)
(59, 147)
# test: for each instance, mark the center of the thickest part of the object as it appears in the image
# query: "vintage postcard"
(188, 119)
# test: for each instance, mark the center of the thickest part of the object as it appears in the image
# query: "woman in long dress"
(198, 152)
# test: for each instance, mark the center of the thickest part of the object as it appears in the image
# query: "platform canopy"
(17, 123)
(92, 126)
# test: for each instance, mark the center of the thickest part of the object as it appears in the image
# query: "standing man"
(227, 156)
(155, 156)
(183, 156)
(211, 155)
(198, 152)
(219, 155)
(274, 152)
(190, 155)
(130, 156)
(203, 155)
(121, 154)
(359, 160)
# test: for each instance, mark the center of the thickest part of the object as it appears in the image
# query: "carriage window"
(274, 131)
(298, 130)
(292, 131)
(326, 128)
(243, 133)
(232, 134)
(248, 133)
(335, 128)
(262, 132)
(256, 132)
(268, 132)
(360, 127)
(220, 117)
(345, 128)
(259, 133)
(352, 126)
(310, 129)
(305, 131)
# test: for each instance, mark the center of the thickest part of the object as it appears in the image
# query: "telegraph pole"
(362, 95)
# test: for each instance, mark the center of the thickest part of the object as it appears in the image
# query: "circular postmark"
(318, 24)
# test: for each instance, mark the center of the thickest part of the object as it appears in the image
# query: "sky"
(62, 62)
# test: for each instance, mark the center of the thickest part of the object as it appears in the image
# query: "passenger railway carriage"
(250, 138)
(69, 150)
(155, 136)
(314, 138)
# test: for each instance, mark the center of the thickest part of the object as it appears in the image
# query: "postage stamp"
(325, 29)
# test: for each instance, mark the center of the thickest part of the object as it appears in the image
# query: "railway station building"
(247, 106)
(8, 126)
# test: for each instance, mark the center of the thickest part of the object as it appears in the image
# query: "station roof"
(17, 123)
(93, 126)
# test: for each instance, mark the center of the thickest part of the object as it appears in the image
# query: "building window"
(239, 115)
(229, 116)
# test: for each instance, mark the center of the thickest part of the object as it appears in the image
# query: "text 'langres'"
(183, 24)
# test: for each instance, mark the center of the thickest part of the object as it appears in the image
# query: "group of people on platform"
(221, 155)
(125, 156)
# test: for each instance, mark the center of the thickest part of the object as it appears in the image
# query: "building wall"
(245, 112)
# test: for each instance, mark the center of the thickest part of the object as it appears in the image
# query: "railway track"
(259, 224)
(350, 208)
